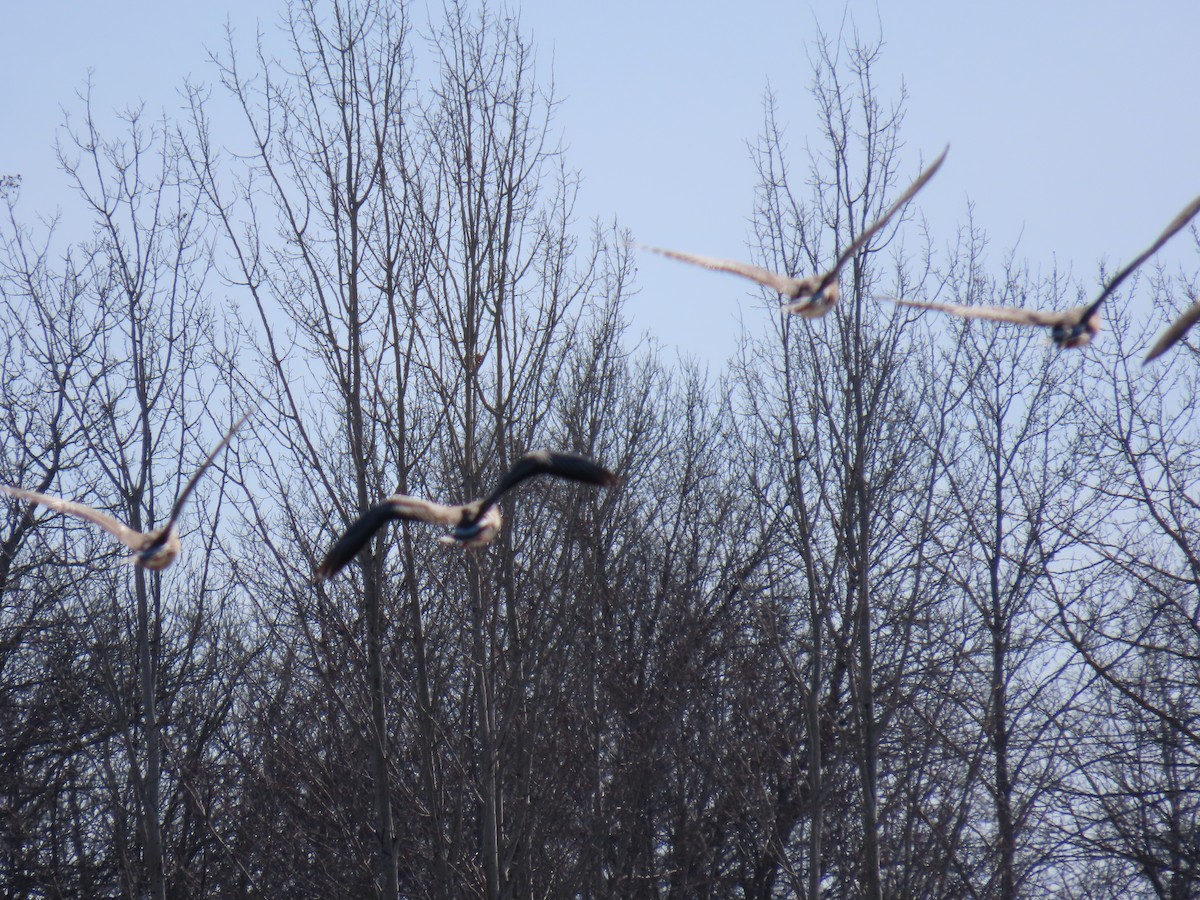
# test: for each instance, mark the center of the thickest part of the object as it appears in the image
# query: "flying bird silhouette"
(153, 550)
(1077, 326)
(471, 524)
(1174, 332)
(816, 295)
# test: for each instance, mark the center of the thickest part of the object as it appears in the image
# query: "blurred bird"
(153, 550)
(471, 524)
(1077, 326)
(1174, 332)
(814, 296)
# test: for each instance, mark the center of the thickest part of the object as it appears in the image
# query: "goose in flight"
(1174, 332)
(471, 524)
(1077, 326)
(814, 296)
(153, 550)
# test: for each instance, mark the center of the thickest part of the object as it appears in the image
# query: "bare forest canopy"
(894, 604)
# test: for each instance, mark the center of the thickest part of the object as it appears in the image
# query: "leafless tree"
(892, 605)
(834, 414)
(1008, 481)
(319, 222)
(1129, 610)
(117, 339)
(427, 266)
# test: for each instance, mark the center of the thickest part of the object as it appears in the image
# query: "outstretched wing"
(1177, 223)
(994, 313)
(546, 462)
(1174, 332)
(190, 486)
(789, 287)
(364, 528)
(869, 233)
(134, 540)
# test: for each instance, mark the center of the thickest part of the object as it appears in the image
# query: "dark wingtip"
(355, 538)
(328, 568)
(339, 555)
(581, 468)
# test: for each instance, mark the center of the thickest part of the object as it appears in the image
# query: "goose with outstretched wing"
(471, 524)
(816, 295)
(153, 550)
(1077, 326)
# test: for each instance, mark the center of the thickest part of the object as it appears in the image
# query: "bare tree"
(1007, 483)
(892, 605)
(318, 223)
(46, 336)
(842, 406)
(119, 334)
(426, 263)
(1129, 610)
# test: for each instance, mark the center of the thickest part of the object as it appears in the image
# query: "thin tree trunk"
(150, 779)
(812, 706)
(147, 658)
(999, 694)
(865, 687)
(490, 850)
(389, 874)
(388, 869)
(816, 783)
(431, 783)
(869, 739)
(489, 811)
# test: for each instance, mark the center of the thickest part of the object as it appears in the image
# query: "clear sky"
(1074, 126)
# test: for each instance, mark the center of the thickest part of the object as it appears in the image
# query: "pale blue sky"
(1075, 126)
